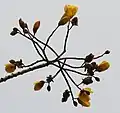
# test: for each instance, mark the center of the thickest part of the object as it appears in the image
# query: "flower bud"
(97, 79)
(38, 85)
(107, 52)
(9, 68)
(74, 21)
(87, 80)
(21, 23)
(36, 26)
(103, 66)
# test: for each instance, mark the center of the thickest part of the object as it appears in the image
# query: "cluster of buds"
(11, 66)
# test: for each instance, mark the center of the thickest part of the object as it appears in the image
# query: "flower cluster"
(88, 68)
(84, 97)
(70, 11)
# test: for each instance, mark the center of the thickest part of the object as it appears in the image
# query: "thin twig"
(65, 43)
(33, 44)
(44, 44)
(72, 58)
(50, 36)
(72, 79)
(70, 90)
(74, 71)
(71, 65)
(38, 61)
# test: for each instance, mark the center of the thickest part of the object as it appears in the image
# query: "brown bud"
(21, 23)
(89, 58)
(74, 21)
(36, 26)
(107, 52)
(13, 33)
(97, 79)
(75, 103)
(12, 61)
(48, 88)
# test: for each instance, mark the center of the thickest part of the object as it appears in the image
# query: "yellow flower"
(84, 97)
(38, 85)
(9, 68)
(103, 66)
(70, 11)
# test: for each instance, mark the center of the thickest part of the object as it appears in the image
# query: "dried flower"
(66, 95)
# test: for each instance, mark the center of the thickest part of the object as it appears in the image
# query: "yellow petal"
(70, 10)
(88, 89)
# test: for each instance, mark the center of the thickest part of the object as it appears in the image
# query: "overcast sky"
(98, 30)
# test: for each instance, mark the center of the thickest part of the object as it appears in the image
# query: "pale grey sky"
(99, 26)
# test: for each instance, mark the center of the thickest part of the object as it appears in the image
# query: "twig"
(50, 37)
(65, 43)
(33, 44)
(72, 79)
(38, 61)
(70, 90)
(44, 44)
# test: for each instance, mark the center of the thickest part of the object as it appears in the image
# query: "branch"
(13, 75)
